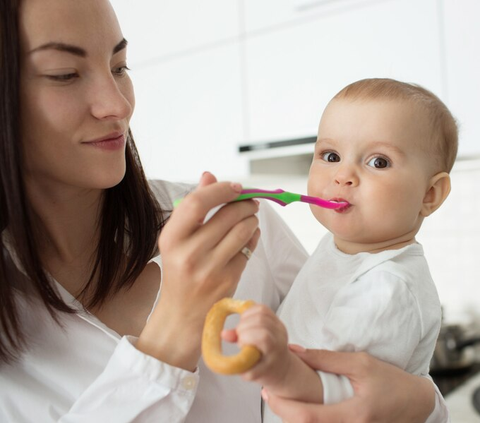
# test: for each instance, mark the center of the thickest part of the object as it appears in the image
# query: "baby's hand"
(259, 326)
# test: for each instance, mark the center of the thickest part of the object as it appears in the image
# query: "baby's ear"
(436, 194)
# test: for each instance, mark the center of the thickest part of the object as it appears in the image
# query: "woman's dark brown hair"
(132, 218)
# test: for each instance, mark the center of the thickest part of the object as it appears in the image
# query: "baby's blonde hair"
(444, 130)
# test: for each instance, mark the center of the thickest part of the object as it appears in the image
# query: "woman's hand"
(382, 392)
(202, 263)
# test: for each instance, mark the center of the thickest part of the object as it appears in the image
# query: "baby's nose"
(346, 177)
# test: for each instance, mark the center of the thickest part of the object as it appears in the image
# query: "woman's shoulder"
(166, 192)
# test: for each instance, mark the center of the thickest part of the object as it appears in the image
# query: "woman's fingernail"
(236, 186)
(296, 348)
(205, 173)
(264, 395)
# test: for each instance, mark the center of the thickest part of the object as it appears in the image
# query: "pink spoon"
(284, 197)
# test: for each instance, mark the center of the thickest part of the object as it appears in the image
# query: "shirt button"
(189, 383)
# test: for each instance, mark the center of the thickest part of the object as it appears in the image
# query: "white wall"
(214, 74)
(451, 239)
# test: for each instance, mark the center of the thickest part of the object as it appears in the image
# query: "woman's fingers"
(204, 256)
(299, 412)
(410, 399)
(191, 212)
(352, 365)
(207, 179)
(251, 245)
(243, 234)
(234, 223)
(236, 265)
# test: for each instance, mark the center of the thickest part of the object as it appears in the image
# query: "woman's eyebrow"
(120, 46)
(75, 50)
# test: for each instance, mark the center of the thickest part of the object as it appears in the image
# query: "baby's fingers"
(259, 316)
(259, 326)
(229, 335)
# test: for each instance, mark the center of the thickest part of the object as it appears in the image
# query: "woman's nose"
(110, 101)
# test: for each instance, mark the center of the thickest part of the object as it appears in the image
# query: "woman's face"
(76, 97)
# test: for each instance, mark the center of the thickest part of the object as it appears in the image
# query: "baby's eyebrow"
(75, 50)
(373, 144)
(324, 140)
(388, 146)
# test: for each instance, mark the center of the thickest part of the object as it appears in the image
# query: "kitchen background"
(237, 87)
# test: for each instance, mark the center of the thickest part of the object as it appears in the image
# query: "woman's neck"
(65, 219)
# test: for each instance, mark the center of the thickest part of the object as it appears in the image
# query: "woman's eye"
(120, 70)
(331, 157)
(63, 78)
(379, 163)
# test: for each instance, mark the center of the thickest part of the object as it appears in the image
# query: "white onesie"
(385, 304)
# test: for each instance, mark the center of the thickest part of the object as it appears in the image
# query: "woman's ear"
(436, 194)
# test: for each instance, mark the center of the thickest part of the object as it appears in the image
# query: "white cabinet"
(293, 70)
(188, 116)
(266, 15)
(462, 48)
(162, 29)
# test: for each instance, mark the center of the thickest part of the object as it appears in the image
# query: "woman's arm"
(202, 263)
(382, 393)
(154, 377)
(134, 387)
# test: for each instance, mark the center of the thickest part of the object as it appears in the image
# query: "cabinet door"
(160, 29)
(188, 115)
(266, 15)
(462, 46)
(293, 70)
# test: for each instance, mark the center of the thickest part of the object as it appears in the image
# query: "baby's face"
(372, 154)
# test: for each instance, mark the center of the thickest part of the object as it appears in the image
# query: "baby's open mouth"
(346, 204)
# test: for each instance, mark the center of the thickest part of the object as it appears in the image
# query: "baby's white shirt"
(385, 304)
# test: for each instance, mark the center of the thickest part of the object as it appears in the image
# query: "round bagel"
(246, 358)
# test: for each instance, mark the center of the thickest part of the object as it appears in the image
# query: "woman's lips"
(111, 142)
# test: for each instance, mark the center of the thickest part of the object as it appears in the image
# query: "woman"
(80, 266)
(85, 333)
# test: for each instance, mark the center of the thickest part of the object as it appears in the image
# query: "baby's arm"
(279, 370)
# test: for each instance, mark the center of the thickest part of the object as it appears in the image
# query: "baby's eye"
(379, 163)
(331, 157)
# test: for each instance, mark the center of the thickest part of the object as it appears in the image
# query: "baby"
(385, 147)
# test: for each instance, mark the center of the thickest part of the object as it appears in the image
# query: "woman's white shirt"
(82, 371)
